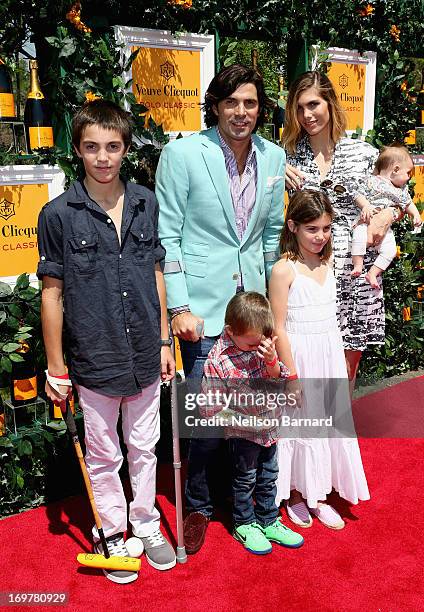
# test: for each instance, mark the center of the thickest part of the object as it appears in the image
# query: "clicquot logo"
(167, 71)
(7, 209)
(343, 81)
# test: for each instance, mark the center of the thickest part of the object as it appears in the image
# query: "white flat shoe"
(299, 514)
(328, 516)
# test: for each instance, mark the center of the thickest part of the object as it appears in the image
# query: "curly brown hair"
(224, 84)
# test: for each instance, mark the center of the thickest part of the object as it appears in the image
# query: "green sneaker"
(279, 533)
(253, 539)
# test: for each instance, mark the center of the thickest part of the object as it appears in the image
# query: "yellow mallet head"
(114, 563)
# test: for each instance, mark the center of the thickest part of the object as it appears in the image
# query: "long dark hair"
(305, 206)
(224, 84)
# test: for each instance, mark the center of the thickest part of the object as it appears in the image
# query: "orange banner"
(349, 82)
(167, 82)
(19, 208)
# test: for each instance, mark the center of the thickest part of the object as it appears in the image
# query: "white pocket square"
(271, 180)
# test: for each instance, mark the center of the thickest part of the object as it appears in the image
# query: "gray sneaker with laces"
(116, 548)
(159, 552)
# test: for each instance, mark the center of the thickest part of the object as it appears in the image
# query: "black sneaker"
(116, 548)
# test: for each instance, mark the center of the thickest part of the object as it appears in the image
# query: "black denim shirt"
(111, 304)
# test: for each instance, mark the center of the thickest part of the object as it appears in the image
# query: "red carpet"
(374, 564)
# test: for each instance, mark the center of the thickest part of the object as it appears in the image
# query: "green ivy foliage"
(23, 460)
(19, 322)
(403, 347)
(38, 465)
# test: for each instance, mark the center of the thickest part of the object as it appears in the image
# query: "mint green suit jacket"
(198, 230)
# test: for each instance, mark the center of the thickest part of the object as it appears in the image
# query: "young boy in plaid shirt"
(245, 351)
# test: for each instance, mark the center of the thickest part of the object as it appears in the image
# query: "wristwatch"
(167, 342)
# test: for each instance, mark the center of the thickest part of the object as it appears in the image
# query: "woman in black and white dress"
(320, 157)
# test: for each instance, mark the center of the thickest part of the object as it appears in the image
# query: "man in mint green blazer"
(221, 204)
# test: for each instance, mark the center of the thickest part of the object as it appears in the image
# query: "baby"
(384, 189)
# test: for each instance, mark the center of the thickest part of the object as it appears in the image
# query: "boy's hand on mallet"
(55, 391)
(167, 364)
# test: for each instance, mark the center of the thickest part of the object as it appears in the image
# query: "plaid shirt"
(232, 371)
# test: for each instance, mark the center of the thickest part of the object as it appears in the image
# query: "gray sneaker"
(116, 548)
(159, 552)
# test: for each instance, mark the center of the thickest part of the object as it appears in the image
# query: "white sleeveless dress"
(315, 465)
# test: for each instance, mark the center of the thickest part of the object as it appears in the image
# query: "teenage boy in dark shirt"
(101, 265)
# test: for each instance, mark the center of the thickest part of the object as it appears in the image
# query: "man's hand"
(187, 326)
(378, 227)
(294, 177)
(167, 364)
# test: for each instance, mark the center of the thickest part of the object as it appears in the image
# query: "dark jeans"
(202, 452)
(255, 472)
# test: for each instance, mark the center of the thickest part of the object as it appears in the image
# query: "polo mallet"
(104, 561)
(180, 552)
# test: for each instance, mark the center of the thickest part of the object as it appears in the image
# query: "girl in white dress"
(303, 298)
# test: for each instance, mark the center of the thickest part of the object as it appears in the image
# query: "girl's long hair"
(304, 207)
(293, 131)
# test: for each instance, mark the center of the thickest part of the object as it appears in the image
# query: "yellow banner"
(167, 82)
(19, 208)
(349, 82)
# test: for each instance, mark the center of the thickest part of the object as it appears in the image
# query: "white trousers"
(386, 249)
(141, 430)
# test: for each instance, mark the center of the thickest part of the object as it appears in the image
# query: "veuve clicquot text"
(37, 116)
(7, 101)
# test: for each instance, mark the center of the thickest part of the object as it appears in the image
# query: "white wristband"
(55, 382)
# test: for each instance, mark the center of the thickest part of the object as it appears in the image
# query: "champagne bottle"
(7, 101)
(23, 388)
(279, 112)
(37, 116)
